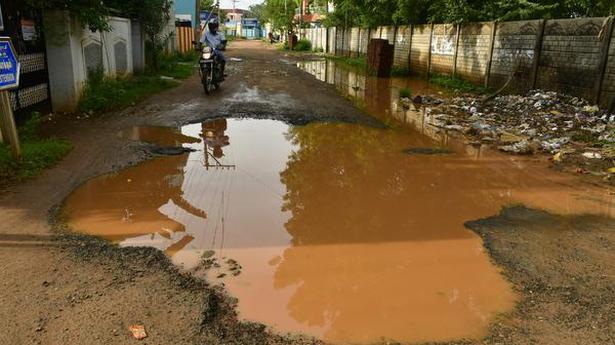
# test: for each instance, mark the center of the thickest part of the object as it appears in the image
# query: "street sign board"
(9, 65)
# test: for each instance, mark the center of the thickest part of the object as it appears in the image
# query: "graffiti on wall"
(443, 45)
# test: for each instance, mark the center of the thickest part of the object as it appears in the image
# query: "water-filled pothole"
(328, 229)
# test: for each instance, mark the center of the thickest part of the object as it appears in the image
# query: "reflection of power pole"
(216, 164)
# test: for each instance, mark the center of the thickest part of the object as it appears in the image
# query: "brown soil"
(66, 289)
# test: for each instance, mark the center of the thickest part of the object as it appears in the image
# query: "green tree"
(280, 13)
(256, 11)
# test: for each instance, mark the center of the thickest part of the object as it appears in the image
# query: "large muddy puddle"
(349, 233)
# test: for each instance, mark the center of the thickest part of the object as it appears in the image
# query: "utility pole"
(197, 20)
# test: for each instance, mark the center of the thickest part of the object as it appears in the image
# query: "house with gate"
(56, 61)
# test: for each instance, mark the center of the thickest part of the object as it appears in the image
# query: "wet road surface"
(329, 228)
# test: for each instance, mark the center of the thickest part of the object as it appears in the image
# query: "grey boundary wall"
(575, 56)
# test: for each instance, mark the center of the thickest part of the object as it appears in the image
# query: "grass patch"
(303, 46)
(405, 93)
(37, 154)
(456, 84)
(357, 62)
(109, 94)
(102, 94)
(400, 71)
(178, 66)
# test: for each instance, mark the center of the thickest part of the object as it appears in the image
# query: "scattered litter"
(522, 148)
(454, 127)
(592, 155)
(558, 157)
(612, 170)
(164, 77)
(138, 331)
(234, 59)
(539, 121)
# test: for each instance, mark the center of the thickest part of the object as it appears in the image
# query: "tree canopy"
(371, 13)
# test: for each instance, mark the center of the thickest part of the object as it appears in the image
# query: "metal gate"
(24, 26)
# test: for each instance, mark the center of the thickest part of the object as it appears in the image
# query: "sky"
(240, 3)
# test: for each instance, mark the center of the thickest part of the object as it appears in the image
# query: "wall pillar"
(60, 63)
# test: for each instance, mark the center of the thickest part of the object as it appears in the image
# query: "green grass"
(303, 46)
(405, 93)
(37, 154)
(357, 62)
(178, 66)
(102, 94)
(112, 94)
(400, 71)
(456, 84)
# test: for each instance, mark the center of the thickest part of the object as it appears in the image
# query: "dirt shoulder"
(562, 268)
(63, 289)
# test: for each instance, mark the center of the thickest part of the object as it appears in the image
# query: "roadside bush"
(114, 93)
(456, 84)
(358, 62)
(103, 94)
(400, 71)
(303, 46)
(405, 93)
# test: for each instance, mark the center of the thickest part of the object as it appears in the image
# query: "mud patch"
(564, 266)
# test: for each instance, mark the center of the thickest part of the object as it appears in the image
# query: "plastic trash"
(138, 331)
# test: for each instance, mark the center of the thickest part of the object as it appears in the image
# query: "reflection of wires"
(259, 181)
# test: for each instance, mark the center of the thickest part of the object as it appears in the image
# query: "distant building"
(312, 14)
(251, 28)
(185, 11)
(237, 25)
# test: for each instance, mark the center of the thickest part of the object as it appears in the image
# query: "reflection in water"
(340, 234)
(380, 96)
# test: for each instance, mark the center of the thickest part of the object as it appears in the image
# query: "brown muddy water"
(332, 230)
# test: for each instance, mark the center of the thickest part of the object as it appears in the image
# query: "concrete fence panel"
(388, 33)
(514, 53)
(355, 42)
(374, 33)
(443, 47)
(474, 51)
(607, 95)
(570, 55)
(364, 36)
(402, 47)
(419, 49)
(347, 43)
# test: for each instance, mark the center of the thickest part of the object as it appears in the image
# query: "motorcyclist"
(213, 39)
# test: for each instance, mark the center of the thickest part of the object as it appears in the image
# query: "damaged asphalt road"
(82, 290)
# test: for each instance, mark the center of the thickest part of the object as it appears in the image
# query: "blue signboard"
(9, 65)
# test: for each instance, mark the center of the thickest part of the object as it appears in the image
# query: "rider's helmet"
(213, 26)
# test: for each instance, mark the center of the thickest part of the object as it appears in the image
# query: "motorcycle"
(211, 73)
(210, 70)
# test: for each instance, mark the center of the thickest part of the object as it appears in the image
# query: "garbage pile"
(545, 121)
(539, 121)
